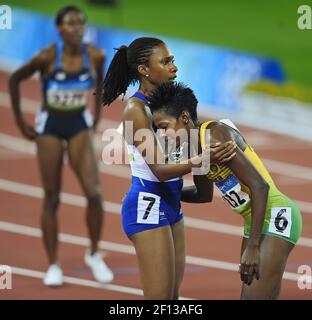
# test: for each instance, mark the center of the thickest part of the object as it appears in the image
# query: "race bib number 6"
(280, 222)
(148, 208)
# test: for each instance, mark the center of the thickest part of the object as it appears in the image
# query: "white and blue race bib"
(232, 192)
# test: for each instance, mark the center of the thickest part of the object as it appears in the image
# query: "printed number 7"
(149, 207)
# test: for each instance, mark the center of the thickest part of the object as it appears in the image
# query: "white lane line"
(32, 106)
(111, 207)
(121, 248)
(279, 167)
(36, 192)
(66, 238)
(82, 282)
(120, 171)
(78, 281)
(20, 145)
(288, 169)
(8, 154)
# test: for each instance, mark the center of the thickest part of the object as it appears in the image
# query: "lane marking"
(279, 167)
(120, 171)
(115, 208)
(264, 140)
(79, 282)
(121, 248)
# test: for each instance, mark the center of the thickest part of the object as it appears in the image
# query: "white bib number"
(148, 208)
(280, 222)
(232, 193)
(66, 98)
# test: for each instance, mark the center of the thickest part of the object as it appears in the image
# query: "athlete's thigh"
(50, 155)
(274, 253)
(155, 253)
(83, 159)
(179, 246)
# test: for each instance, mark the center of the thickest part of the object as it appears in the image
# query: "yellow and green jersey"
(281, 211)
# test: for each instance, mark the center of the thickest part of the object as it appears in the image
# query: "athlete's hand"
(201, 162)
(27, 130)
(221, 153)
(215, 153)
(249, 266)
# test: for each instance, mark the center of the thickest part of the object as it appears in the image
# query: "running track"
(212, 230)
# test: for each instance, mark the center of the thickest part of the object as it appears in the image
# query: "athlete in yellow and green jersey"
(282, 217)
(272, 221)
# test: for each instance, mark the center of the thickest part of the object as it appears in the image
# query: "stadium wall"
(217, 75)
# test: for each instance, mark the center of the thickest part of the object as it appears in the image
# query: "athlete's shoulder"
(134, 105)
(44, 57)
(135, 110)
(218, 130)
(48, 53)
(95, 52)
(97, 57)
(209, 124)
(222, 124)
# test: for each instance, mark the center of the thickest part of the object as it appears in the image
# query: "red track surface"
(21, 250)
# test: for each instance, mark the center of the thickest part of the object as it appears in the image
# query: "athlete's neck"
(146, 87)
(72, 50)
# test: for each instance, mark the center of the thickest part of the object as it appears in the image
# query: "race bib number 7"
(148, 208)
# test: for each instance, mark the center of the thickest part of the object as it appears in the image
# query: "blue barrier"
(217, 75)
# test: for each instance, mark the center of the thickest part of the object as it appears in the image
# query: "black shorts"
(63, 125)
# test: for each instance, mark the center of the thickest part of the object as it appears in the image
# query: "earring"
(146, 75)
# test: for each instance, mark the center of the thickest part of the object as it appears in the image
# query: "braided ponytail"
(123, 69)
(117, 77)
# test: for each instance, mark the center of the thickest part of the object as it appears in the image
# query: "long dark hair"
(123, 69)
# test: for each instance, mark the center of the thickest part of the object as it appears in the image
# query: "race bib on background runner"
(69, 99)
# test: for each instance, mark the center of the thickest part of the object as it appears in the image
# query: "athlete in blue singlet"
(68, 70)
(64, 112)
(149, 203)
(151, 214)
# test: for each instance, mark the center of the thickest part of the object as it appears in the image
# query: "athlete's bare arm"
(39, 62)
(248, 175)
(201, 192)
(97, 57)
(135, 113)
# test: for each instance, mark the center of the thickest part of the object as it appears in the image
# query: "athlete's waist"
(159, 187)
(64, 112)
(274, 196)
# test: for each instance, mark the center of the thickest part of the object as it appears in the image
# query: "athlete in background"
(68, 70)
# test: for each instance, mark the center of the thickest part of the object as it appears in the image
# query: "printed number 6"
(149, 207)
(280, 221)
